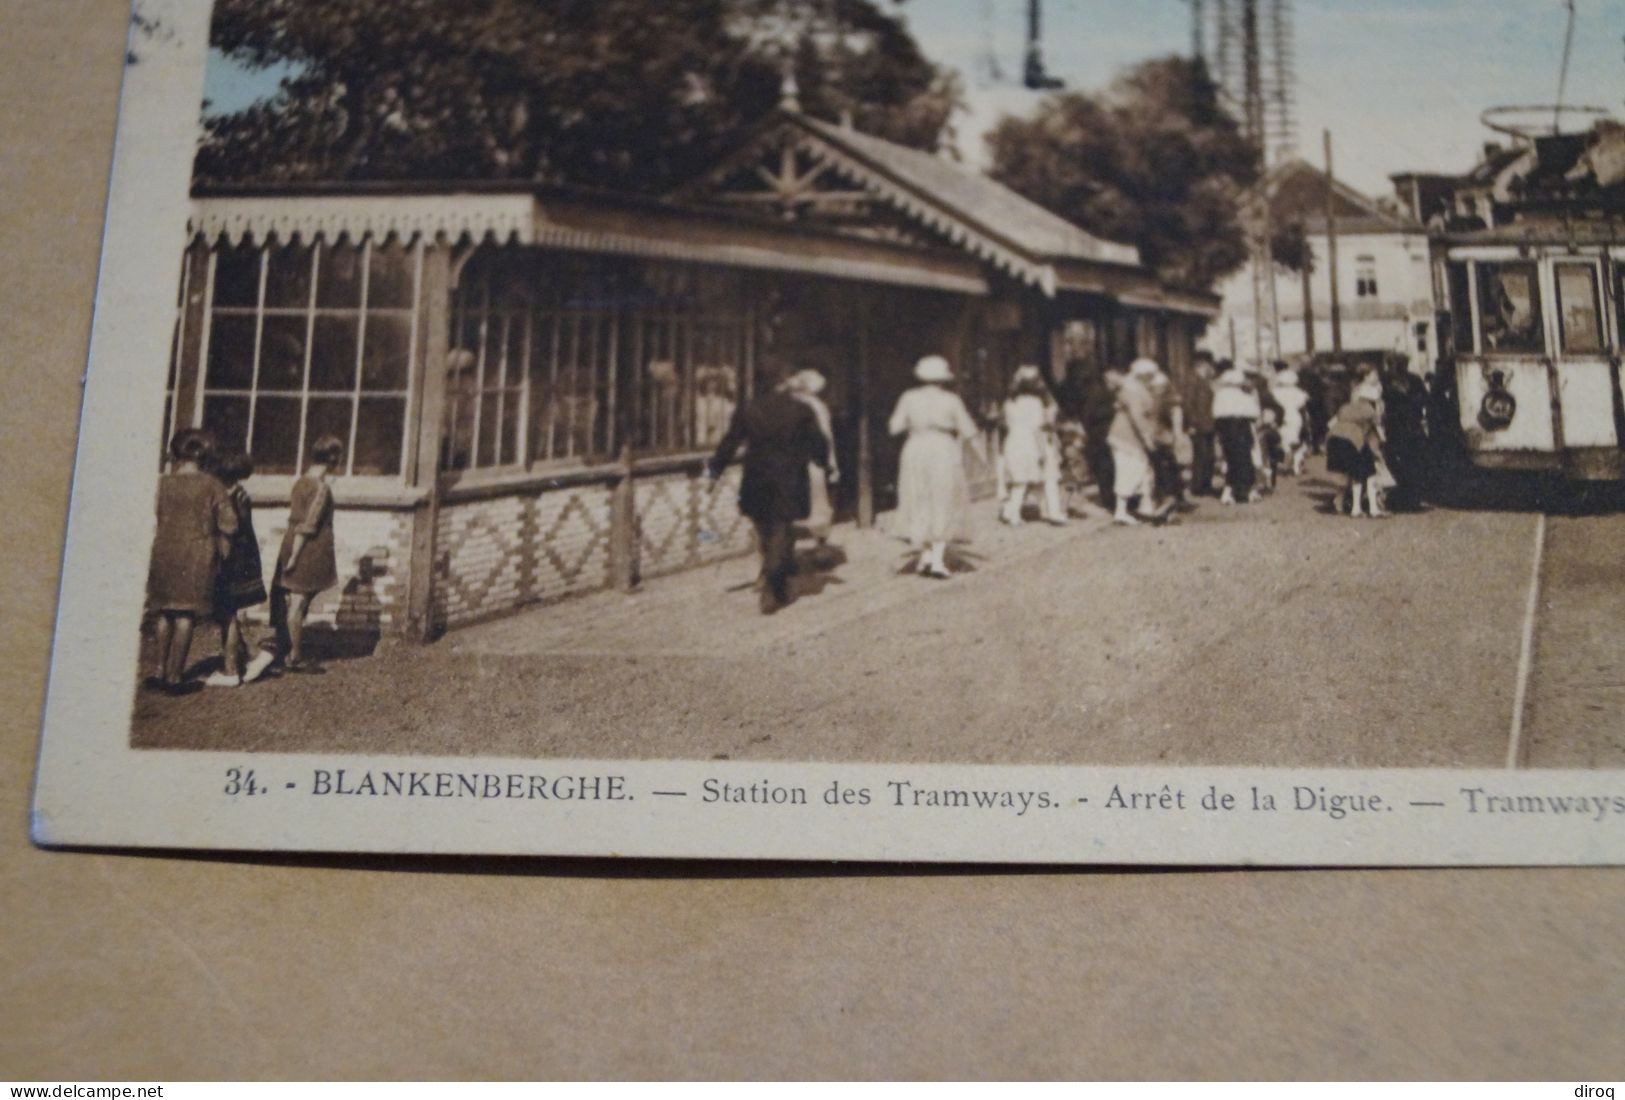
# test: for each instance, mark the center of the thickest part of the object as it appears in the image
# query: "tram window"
(1509, 309)
(1577, 308)
(1461, 309)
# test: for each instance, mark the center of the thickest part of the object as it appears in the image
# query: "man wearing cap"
(781, 438)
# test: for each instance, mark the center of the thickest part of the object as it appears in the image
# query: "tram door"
(1503, 378)
(1585, 374)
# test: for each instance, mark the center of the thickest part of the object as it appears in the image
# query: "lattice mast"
(1253, 64)
(1251, 54)
(1280, 82)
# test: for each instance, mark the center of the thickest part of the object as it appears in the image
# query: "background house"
(1384, 282)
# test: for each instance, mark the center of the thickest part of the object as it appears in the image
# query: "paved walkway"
(678, 615)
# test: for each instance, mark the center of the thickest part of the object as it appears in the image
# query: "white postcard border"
(95, 790)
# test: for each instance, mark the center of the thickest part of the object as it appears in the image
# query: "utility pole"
(1263, 261)
(1308, 297)
(1331, 245)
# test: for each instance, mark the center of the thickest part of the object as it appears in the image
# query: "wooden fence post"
(623, 527)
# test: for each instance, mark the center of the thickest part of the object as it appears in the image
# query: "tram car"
(1531, 330)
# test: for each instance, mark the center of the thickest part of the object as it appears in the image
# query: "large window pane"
(470, 335)
(338, 280)
(333, 352)
(716, 392)
(237, 276)
(490, 425)
(390, 281)
(328, 416)
(379, 430)
(461, 397)
(275, 445)
(231, 352)
(1509, 309)
(508, 444)
(282, 353)
(387, 354)
(1577, 308)
(287, 278)
(226, 418)
(290, 335)
(512, 350)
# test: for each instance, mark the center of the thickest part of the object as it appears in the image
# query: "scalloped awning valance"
(580, 225)
(452, 216)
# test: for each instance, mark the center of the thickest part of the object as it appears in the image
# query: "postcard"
(877, 430)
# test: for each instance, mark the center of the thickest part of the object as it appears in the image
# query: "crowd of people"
(1149, 444)
(206, 568)
(1143, 443)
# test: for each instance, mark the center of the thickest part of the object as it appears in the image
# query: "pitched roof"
(976, 198)
(1297, 191)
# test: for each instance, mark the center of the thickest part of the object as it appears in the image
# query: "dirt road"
(1273, 634)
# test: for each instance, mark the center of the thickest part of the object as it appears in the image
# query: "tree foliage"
(623, 94)
(1154, 161)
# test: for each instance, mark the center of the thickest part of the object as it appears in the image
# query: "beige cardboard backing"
(140, 967)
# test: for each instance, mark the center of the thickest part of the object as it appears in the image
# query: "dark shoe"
(305, 668)
(154, 683)
(769, 602)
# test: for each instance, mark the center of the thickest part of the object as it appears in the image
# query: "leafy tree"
(1155, 161)
(1290, 248)
(623, 94)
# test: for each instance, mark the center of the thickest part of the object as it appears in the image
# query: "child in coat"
(241, 580)
(307, 564)
(196, 522)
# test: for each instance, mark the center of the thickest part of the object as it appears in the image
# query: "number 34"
(239, 781)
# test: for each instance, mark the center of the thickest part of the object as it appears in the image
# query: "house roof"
(950, 200)
(1298, 192)
(1361, 225)
(979, 222)
(976, 198)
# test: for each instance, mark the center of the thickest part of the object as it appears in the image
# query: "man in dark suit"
(781, 438)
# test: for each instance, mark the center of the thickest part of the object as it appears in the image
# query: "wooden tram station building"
(528, 379)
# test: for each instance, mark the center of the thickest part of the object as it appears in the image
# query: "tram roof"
(1543, 232)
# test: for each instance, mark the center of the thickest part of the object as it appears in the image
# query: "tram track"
(1526, 649)
(1569, 706)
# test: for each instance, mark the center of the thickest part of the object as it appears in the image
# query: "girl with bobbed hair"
(241, 582)
(307, 564)
(196, 522)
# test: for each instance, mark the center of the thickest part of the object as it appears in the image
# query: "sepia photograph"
(1217, 384)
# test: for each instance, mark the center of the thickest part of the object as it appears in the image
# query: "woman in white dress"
(932, 495)
(1132, 435)
(1031, 456)
(806, 386)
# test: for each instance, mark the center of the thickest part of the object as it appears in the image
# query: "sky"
(1399, 83)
